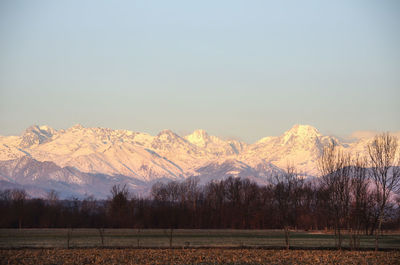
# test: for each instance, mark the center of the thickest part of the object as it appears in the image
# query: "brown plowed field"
(194, 256)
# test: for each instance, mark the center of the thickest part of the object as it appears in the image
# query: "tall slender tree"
(335, 168)
(360, 198)
(385, 172)
(18, 198)
(287, 191)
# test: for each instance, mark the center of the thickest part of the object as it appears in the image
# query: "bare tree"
(215, 197)
(18, 198)
(287, 197)
(119, 205)
(385, 173)
(52, 196)
(335, 168)
(189, 193)
(360, 198)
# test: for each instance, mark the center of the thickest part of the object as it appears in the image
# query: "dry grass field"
(195, 256)
(151, 246)
(158, 238)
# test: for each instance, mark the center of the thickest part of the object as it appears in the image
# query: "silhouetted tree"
(18, 203)
(119, 205)
(335, 168)
(385, 172)
(287, 196)
(360, 198)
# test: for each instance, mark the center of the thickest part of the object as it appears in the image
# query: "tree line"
(353, 194)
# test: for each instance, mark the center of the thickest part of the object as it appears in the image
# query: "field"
(195, 256)
(152, 246)
(158, 238)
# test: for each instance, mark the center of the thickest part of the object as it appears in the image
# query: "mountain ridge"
(146, 158)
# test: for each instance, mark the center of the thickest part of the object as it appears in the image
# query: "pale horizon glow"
(233, 68)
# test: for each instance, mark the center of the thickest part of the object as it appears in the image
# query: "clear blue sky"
(243, 69)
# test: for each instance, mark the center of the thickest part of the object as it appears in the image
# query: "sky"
(237, 69)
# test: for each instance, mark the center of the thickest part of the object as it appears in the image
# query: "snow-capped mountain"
(36, 135)
(40, 177)
(83, 160)
(300, 146)
(215, 145)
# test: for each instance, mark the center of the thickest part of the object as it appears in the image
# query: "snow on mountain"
(9, 148)
(178, 149)
(38, 178)
(113, 152)
(300, 146)
(215, 145)
(76, 155)
(36, 135)
(219, 170)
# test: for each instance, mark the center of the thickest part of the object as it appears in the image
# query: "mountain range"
(83, 161)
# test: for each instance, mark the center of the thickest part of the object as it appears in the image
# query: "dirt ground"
(194, 256)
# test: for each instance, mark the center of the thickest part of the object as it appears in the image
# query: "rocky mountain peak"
(300, 133)
(200, 133)
(303, 131)
(198, 137)
(167, 135)
(76, 127)
(36, 135)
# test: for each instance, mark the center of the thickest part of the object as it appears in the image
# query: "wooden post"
(138, 237)
(69, 232)
(170, 238)
(287, 237)
(101, 232)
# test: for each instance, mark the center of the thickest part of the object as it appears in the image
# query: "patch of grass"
(57, 238)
